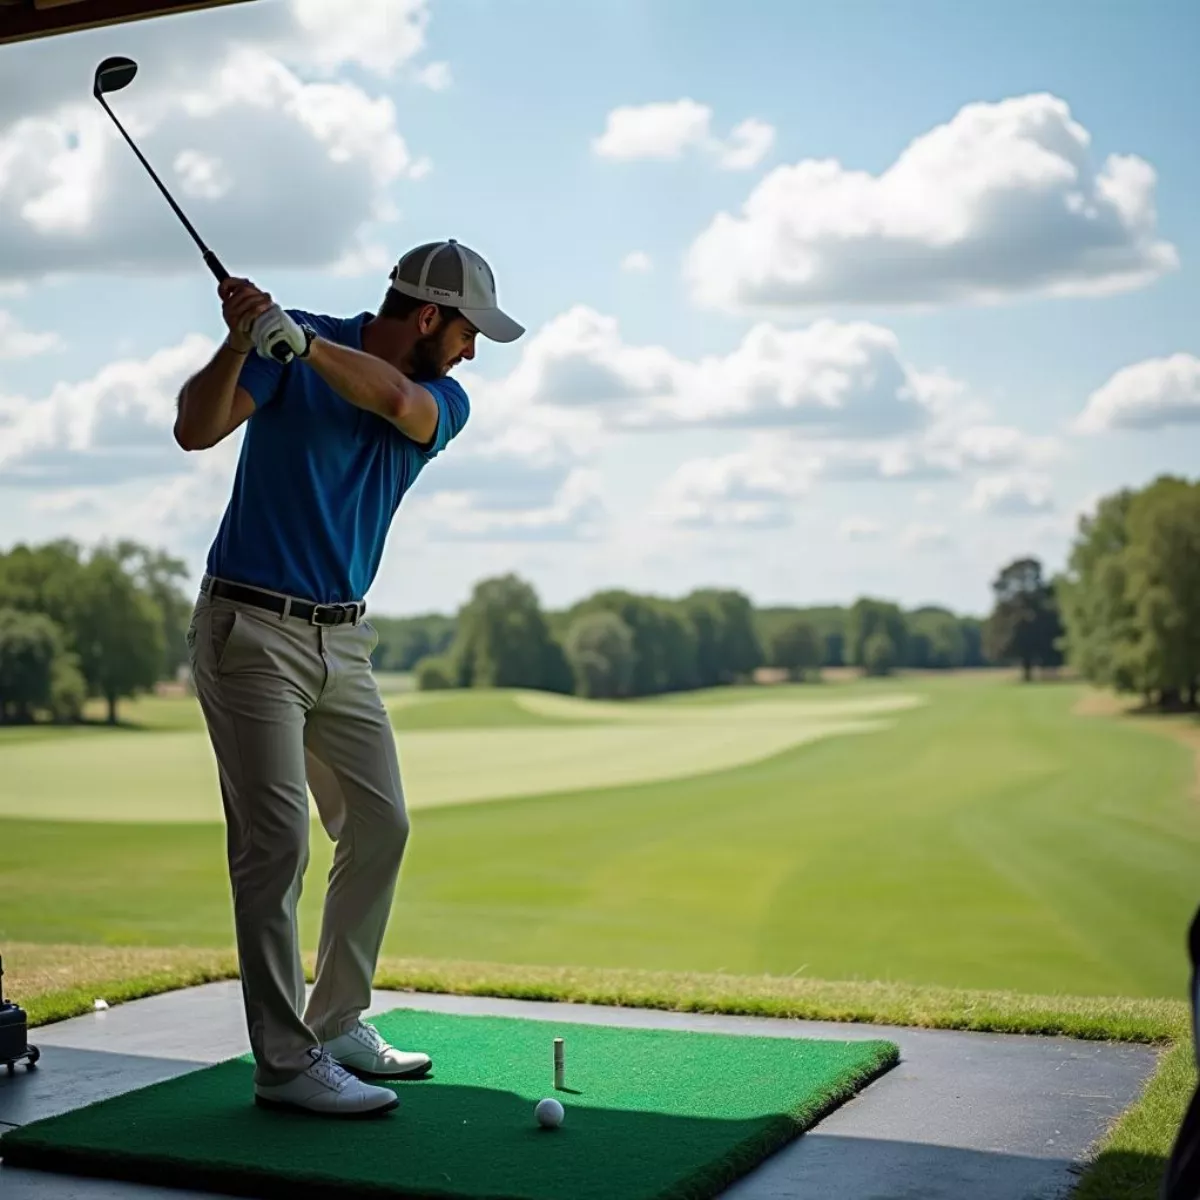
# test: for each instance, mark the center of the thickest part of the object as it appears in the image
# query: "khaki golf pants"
(289, 705)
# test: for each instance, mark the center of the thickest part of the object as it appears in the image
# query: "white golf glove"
(277, 336)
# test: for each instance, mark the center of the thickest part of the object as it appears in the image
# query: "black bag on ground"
(14, 1032)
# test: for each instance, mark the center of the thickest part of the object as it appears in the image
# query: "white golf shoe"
(364, 1053)
(327, 1090)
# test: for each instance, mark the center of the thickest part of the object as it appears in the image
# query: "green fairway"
(986, 837)
(463, 710)
(454, 748)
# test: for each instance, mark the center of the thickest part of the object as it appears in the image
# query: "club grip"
(214, 265)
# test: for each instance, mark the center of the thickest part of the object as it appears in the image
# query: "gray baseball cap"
(452, 274)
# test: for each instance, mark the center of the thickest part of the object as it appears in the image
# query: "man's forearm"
(206, 400)
(369, 382)
(362, 379)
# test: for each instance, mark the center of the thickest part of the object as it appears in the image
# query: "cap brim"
(495, 325)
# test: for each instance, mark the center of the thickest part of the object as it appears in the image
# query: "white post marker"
(559, 1063)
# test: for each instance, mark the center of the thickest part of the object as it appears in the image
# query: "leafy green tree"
(1163, 560)
(599, 647)
(120, 646)
(664, 640)
(404, 641)
(435, 673)
(706, 619)
(936, 639)
(30, 644)
(160, 576)
(38, 674)
(503, 640)
(112, 625)
(794, 648)
(829, 622)
(557, 675)
(742, 651)
(105, 606)
(879, 655)
(726, 636)
(971, 629)
(68, 689)
(833, 653)
(1098, 613)
(45, 579)
(675, 643)
(1130, 593)
(869, 617)
(1024, 625)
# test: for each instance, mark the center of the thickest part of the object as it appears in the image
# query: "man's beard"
(428, 357)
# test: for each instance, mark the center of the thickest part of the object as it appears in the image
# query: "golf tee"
(559, 1063)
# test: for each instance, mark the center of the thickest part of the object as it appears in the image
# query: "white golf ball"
(549, 1113)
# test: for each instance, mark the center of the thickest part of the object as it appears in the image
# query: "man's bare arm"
(369, 382)
(211, 405)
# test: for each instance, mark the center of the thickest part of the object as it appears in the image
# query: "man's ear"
(428, 318)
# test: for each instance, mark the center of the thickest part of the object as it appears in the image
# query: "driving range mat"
(650, 1115)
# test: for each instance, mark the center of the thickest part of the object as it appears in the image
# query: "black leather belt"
(286, 606)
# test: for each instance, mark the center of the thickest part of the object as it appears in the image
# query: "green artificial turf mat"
(649, 1114)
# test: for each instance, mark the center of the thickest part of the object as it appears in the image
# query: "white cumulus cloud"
(379, 35)
(18, 342)
(1152, 394)
(436, 76)
(1005, 199)
(202, 175)
(1011, 495)
(575, 511)
(744, 489)
(831, 403)
(110, 428)
(667, 130)
(276, 160)
(829, 379)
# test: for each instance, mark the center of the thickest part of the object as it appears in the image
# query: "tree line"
(617, 643)
(1124, 613)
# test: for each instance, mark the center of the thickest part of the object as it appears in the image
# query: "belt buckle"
(354, 612)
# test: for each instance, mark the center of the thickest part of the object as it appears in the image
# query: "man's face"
(443, 348)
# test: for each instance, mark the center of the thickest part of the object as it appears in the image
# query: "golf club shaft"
(214, 263)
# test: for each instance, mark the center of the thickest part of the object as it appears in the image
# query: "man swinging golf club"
(280, 650)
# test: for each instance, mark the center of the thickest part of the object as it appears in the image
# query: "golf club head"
(113, 74)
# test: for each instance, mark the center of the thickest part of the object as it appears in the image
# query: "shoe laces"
(329, 1072)
(369, 1036)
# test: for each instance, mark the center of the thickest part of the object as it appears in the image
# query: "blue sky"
(660, 428)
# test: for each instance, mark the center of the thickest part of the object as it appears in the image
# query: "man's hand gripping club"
(256, 322)
(212, 405)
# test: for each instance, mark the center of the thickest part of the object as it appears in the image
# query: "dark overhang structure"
(24, 20)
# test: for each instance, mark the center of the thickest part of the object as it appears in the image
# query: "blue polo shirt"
(319, 479)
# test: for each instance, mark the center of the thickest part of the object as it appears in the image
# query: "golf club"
(112, 75)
